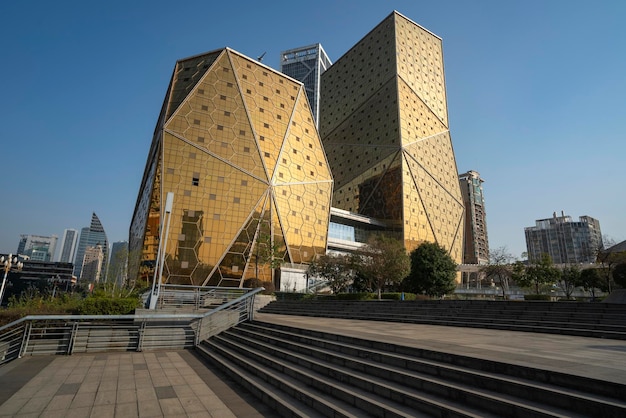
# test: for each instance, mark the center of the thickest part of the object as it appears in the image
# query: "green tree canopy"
(590, 280)
(619, 274)
(499, 269)
(383, 261)
(534, 275)
(432, 271)
(335, 269)
(569, 280)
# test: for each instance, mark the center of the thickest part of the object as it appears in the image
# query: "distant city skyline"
(535, 100)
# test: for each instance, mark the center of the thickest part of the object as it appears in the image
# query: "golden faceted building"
(237, 145)
(384, 125)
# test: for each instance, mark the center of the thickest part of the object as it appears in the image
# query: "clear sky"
(536, 96)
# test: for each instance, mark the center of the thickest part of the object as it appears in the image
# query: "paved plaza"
(180, 384)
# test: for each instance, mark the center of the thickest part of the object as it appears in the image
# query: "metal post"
(26, 338)
(158, 273)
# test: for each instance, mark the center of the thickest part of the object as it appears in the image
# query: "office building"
(384, 127)
(37, 247)
(564, 240)
(93, 261)
(306, 64)
(476, 244)
(68, 246)
(237, 146)
(33, 273)
(91, 236)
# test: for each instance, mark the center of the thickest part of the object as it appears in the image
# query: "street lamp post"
(7, 264)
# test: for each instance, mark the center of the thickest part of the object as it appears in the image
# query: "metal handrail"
(199, 297)
(67, 334)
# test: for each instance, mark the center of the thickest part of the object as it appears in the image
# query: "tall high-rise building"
(564, 240)
(306, 64)
(117, 271)
(384, 126)
(91, 236)
(237, 146)
(93, 261)
(37, 247)
(476, 246)
(68, 246)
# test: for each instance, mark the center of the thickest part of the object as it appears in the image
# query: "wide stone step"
(437, 376)
(546, 318)
(374, 399)
(406, 387)
(273, 390)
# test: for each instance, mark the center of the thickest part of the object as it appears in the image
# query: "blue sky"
(536, 97)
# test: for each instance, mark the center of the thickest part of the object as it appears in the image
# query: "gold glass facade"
(237, 145)
(384, 125)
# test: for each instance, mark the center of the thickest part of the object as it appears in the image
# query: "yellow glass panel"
(212, 202)
(269, 104)
(213, 117)
(187, 74)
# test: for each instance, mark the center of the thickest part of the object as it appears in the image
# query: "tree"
(499, 268)
(590, 280)
(432, 270)
(619, 274)
(609, 259)
(570, 279)
(269, 253)
(383, 261)
(335, 269)
(117, 273)
(534, 275)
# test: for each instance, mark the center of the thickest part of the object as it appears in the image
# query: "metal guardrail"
(198, 297)
(68, 334)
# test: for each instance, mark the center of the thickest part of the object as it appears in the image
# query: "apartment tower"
(564, 240)
(384, 126)
(236, 144)
(476, 246)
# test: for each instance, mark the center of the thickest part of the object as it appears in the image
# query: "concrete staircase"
(601, 320)
(306, 373)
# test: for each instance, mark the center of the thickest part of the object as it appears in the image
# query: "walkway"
(179, 384)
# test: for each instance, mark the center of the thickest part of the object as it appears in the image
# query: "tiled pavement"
(151, 384)
(179, 384)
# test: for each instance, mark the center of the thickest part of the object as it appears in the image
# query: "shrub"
(398, 296)
(252, 283)
(95, 305)
(536, 297)
(355, 296)
(289, 296)
(269, 288)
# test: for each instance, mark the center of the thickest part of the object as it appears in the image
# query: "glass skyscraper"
(90, 237)
(68, 246)
(307, 64)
